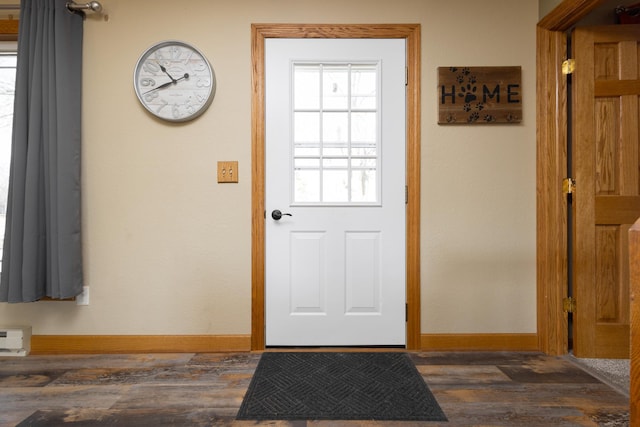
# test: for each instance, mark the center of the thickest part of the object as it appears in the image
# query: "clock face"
(174, 81)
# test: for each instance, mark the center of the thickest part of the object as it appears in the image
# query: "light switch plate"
(227, 172)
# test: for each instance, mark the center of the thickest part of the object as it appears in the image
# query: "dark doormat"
(338, 386)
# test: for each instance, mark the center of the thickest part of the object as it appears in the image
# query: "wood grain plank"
(414, 162)
(606, 61)
(606, 274)
(567, 14)
(607, 88)
(329, 31)
(615, 33)
(94, 344)
(630, 131)
(473, 388)
(479, 95)
(9, 29)
(257, 189)
(617, 209)
(584, 165)
(551, 204)
(634, 267)
(612, 341)
(624, 314)
(606, 131)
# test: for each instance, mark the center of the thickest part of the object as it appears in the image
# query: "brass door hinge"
(568, 66)
(568, 186)
(569, 305)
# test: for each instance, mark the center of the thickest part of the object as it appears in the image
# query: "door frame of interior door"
(260, 32)
(551, 169)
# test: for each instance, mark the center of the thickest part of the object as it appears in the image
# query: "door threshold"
(343, 349)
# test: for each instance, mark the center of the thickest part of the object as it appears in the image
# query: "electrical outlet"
(227, 172)
(83, 298)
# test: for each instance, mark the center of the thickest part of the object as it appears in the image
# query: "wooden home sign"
(474, 95)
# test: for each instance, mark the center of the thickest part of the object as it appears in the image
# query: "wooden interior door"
(606, 89)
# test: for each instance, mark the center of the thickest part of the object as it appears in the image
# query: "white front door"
(335, 170)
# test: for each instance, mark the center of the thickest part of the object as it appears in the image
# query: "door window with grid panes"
(336, 153)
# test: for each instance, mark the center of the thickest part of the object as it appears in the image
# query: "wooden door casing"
(411, 33)
(607, 199)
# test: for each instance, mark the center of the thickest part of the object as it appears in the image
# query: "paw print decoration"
(473, 95)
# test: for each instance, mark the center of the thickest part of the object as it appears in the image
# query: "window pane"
(363, 186)
(8, 61)
(307, 186)
(363, 87)
(307, 163)
(335, 150)
(7, 93)
(306, 87)
(335, 87)
(363, 150)
(335, 163)
(335, 186)
(369, 163)
(306, 127)
(363, 127)
(335, 127)
(306, 150)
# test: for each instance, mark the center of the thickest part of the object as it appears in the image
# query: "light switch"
(227, 172)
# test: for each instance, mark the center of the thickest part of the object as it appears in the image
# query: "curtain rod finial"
(94, 6)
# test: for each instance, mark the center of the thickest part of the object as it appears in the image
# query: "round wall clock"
(174, 81)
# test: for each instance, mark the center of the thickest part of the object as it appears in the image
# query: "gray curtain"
(42, 244)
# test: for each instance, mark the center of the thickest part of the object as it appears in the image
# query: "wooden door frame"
(260, 32)
(551, 169)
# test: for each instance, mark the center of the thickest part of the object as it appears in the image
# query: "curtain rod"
(93, 6)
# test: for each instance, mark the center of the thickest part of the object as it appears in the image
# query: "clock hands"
(164, 70)
(159, 87)
(172, 82)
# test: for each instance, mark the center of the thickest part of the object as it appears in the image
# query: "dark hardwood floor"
(473, 389)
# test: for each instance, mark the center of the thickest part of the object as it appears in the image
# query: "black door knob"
(276, 214)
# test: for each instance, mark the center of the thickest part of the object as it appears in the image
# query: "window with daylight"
(7, 90)
(336, 149)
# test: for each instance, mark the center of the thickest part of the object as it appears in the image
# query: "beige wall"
(167, 249)
(546, 6)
